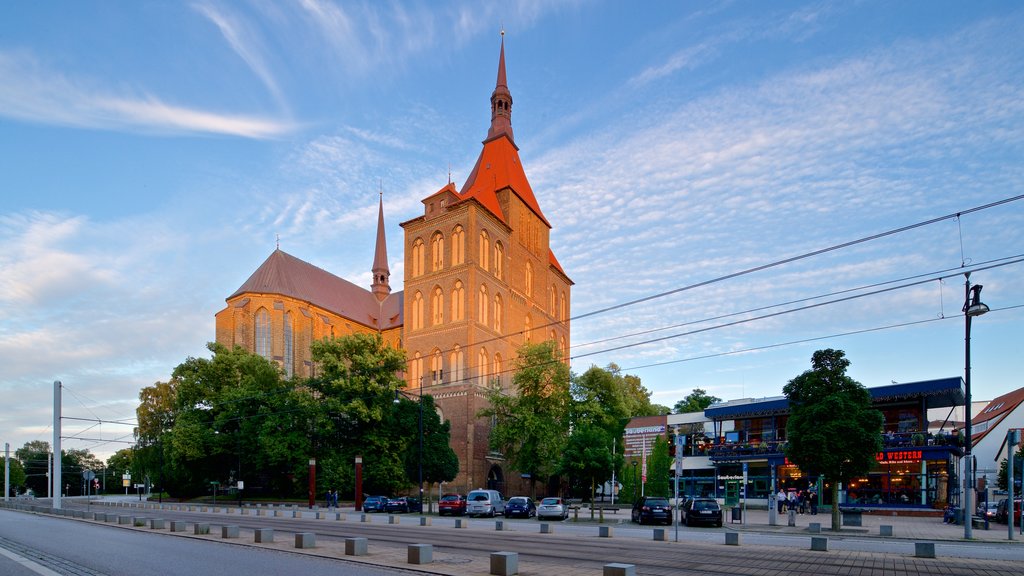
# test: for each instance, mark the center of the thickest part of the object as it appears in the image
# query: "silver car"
(552, 508)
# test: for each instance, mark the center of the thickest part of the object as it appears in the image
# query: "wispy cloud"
(31, 92)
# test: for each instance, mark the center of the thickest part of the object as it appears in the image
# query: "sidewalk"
(903, 527)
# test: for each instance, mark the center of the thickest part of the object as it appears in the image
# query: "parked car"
(482, 502)
(375, 504)
(403, 504)
(652, 509)
(520, 506)
(552, 508)
(454, 504)
(702, 511)
(1003, 511)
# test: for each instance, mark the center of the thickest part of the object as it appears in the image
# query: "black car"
(403, 504)
(652, 509)
(520, 506)
(375, 504)
(702, 511)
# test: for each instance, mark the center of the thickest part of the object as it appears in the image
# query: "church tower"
(480, 281)
(380, 286)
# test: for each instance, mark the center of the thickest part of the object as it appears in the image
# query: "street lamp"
(973, 306)
(419, 399)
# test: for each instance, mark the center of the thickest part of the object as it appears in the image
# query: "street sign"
(88, 474)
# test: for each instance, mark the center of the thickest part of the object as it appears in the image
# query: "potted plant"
(917, 439)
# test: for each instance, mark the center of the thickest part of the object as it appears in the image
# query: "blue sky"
(150, 153)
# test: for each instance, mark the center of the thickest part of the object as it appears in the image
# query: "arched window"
(528, 278)
(481, 313)
(499, 259)
(485, 250)
(551, 299)
(458, 301)
(437, 306)
(456, 364)
(481, 367)
(417, 257)
(458, 246)
(527, 328)
(416, 370)
(417, 311)
(436, 371)
(562, 312)
(289, 360)
(561, 347)
(437, 251)
(497, 374)
(552, 337)
(263, 336)
(498, 311)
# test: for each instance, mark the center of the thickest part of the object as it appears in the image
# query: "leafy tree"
(34, 457)
(659, 466)
(833, 428)
(588, 458)
(630, 479)
(439, 462)
(1018, 468)
(695, 401)
(531, 428)
(601, 404)
(17, 476)
(638, 398)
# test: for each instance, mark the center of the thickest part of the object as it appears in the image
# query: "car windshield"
(479, 497)
(705, 505)
(550, 502)
(517, 501)
(451, 498)
(656, 502)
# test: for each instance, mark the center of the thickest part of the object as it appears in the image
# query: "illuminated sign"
(898, 456)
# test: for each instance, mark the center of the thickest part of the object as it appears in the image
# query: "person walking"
(812, 495)
(791, 501)
(781, 499)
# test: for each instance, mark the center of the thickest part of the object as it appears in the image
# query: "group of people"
(801, 501)
(332, 498)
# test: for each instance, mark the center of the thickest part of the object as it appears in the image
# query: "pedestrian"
(781, 499)
(327, 499)
(791, 501)
(334, 497)
(813, 497)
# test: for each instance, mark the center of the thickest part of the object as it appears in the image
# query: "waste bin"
(737, 514)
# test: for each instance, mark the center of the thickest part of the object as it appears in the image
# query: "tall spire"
(501, 101)
(380, 286)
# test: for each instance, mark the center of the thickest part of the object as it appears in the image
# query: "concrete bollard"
(245, 511)
(420, 554)
(814, 527)
(461, 523)
(394, 519)
(885, 530)
(263, 535)
(499, 525)
(111, 518)
(157, 524)
(321, 515)
(216, 510)
(365, 518)
(177, 526)
(546, 528)
(229, 510)
(604, 531)
(792, 517)
(617, 569)
(819, 544)
(296, 514)
(355, 546)
(424, 521)
(124, 519)
(229, 531)
(204, 509)
(504, 563)
(732, 538)
(305, 540)
(924, 549)
(339, 516)
(660, 535)
(201, 529)
(262, 512)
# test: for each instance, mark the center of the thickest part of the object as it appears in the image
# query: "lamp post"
(972, 307)
(634, 479)
(419, 400)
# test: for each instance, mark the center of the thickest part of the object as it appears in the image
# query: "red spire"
(501, 101)
(380, 287)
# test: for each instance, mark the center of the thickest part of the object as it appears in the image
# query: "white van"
(482, 502)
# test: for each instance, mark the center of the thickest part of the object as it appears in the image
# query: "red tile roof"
(284, 274)
(499, 167)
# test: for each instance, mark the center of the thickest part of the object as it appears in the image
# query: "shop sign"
(898, 456)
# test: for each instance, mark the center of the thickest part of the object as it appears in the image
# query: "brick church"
(480, 280)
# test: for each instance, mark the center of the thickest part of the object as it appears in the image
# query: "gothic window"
(498, 310)
(289, 361)
(437, 252)
(458, 245)
(562, 311)
(417, 257)
(551, 336)
(456, 364)
(437, 306)
(562, 348)
(528, 278)
(497, 368)
(416, 370)
(458, 301)
(417, 311)
(551, 299)
(481, 314)
(436, 371)
(485, 250)
(482, 367)
(499, 259)
(527, 327)
(263, 336)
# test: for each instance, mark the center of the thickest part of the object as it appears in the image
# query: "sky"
(731, 185)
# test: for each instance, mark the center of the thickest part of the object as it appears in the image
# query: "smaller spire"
(501, 101)
(380, 286)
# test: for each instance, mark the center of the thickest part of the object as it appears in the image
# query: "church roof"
(284, 274)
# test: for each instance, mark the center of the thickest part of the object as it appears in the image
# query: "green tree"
(601, 404)
(637, 397)
(439, 461)
(35, 457)
(832, 428)
(588, 458)
(17, 476)
(1018, 469)
(659, 467)
(695, 401)
(531, 427)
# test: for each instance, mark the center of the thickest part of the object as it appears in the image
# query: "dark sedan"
(520, 506)
(702, 511)
(652, 510)
(403, 504)
(375, 504)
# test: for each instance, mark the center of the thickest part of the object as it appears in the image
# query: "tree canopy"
(695, 401)
(832, 430)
